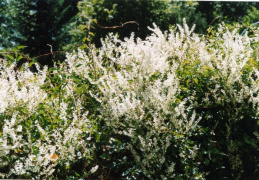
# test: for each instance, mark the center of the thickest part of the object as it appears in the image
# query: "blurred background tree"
(165, 13)
(64, 24)
(6, 29)
(35, 24)
(115, 12)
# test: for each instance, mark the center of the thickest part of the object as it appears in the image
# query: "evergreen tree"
(39, 23)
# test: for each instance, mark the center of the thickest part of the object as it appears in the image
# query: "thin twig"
(113, 27)
(213, 20)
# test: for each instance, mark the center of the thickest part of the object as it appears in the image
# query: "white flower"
(19, 128)
(94, 169)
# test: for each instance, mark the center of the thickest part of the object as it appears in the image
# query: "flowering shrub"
(40, 130)
(172, 106)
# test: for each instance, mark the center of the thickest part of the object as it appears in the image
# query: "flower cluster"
(151, 98)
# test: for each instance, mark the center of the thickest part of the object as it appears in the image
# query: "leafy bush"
(176, 105)
(115, 12)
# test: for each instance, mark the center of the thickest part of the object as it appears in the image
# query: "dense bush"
(176, 105)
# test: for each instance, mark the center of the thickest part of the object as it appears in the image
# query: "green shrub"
(176, 105)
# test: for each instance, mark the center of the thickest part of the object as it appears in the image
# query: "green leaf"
(86, 39)
(31, 63)
(78, 175)
(103, 155)
(21, 47)
(10, 57)
(78, 65)
(52, 69)
(83, 47)
(19, 58)
(187, 82)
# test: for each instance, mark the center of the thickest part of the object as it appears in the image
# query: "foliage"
(176, 105)
(6, 28)
(164, 13)
(252, 16)
(49, 26)
(115, 12)
(37, 25)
